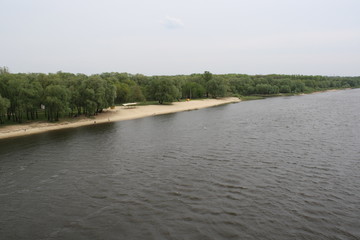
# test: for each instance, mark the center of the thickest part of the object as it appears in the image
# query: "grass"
(252, 97)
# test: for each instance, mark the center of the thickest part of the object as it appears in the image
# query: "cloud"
(172, 23)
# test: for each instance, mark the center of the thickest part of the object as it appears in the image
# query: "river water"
(279, 168)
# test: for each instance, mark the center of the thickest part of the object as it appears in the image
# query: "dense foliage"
(24, 96)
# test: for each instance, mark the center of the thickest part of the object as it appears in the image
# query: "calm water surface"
(280, 168)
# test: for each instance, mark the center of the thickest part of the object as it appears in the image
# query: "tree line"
(24, 96)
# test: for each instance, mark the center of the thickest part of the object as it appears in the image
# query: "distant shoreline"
(121, 114)
(112, 115)
(329, 90)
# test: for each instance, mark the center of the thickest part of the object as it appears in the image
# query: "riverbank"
(329, 90)
(260, 96)
(112, 115)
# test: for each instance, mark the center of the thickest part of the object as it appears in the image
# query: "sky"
(171, 37)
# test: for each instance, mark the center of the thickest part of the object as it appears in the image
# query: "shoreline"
(329, 90)
(112, 115)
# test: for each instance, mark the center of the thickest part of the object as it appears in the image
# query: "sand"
(120, 113)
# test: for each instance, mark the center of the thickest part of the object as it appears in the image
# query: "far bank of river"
(121, 114)
(113, 115)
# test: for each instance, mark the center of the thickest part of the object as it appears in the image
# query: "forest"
(28, 96)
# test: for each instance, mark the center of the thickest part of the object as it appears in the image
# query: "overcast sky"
(168, 37)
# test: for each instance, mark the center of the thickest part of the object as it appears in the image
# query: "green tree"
(297, 87)
(135, 94)
(17, 94)
(207, 76)
(285, 89)
(56, 102)
(122, 92)
(216, 87)
(110, 94)
(4, 105)
(163, 90)
(93, 95)
(32, 96)
(193, 90)
(263, 88)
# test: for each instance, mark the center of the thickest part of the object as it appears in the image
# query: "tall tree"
(216, 87)
(135, 94)
(163, 90)
(56, 101)
(122, 92)
(207, 76)
(193, 90)
(4, 105)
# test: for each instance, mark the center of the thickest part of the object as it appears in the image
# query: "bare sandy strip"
(112, 115)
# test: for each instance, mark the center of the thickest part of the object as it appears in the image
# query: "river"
(278, 168)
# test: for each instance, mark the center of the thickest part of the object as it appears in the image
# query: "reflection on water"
(281, 168)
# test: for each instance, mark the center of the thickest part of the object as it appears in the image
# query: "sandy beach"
(120, 113)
